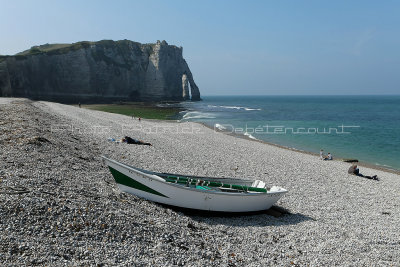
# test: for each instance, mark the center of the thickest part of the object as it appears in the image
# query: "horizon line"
(300, 95)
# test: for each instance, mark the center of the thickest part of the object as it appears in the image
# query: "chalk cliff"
(101, 71)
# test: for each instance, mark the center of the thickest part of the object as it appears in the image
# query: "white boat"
(195, 192)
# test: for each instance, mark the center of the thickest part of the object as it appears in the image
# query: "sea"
(366, 128)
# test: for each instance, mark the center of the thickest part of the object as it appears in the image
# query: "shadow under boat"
(275, 216)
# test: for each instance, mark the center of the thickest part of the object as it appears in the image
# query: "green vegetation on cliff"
(43, 49)
(54, 49)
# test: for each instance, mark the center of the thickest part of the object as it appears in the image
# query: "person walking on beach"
(355, 171)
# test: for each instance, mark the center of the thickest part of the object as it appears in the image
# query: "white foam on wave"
(223, 128)
(250, 136)
(234, 107)
(219, 127)
(252, 108)
(163, 105)
(197, 115)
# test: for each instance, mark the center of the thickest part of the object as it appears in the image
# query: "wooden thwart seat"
(257, 186)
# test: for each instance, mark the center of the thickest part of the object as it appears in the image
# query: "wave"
(250, 136)
(168, 105)
(197, 115)
(383, 165)
(252, 108)
(223, 128)
(219, 127)
(163, 105)
(234, 107)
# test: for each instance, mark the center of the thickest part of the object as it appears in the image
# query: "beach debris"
(235, 168)
(111, 139)
(84, 158)
(350, 160)
(38, 140)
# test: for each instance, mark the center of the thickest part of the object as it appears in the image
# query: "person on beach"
(329, 157)
(79, 104)
(321, 154)
(130, 140)
(356, 171)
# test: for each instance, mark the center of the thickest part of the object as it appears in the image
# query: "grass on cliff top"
(142, 110)
(42, 49)
(53, 49)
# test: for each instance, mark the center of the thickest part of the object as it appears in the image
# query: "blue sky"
(235, 47)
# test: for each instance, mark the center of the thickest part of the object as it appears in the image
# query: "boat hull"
(154, 188)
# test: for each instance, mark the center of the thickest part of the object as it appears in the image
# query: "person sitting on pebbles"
(355, 171)
(328, 157)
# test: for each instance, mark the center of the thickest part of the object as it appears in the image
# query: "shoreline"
(359, 163)
(172, 120)
(157, 105)
(242, 136)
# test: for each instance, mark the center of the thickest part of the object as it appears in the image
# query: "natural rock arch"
(185, 87)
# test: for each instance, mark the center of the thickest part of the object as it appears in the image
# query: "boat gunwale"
(147, 174)
(214, 179)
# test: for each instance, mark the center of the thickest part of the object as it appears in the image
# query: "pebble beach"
(59, 205)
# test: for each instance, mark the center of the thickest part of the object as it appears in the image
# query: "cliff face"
(98, 72)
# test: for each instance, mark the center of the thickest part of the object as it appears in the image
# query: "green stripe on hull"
(121, 178)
